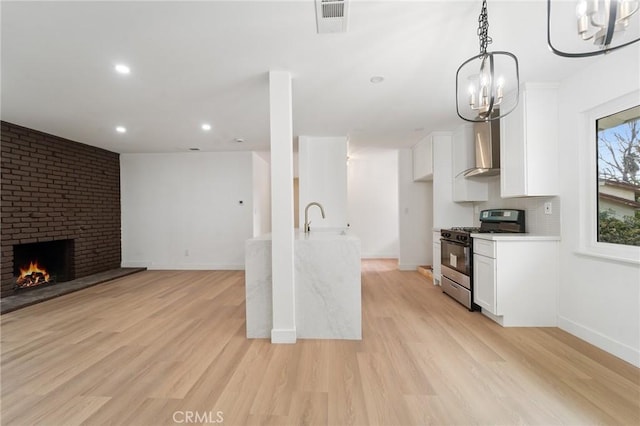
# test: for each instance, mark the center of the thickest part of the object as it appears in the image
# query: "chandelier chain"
(483, 28)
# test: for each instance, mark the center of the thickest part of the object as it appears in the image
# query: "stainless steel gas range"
(456, 251)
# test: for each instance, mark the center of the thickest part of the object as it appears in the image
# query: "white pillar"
(282, 262)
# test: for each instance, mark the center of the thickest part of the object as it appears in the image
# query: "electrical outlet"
(548, 208)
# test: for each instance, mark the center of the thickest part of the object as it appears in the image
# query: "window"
(607, 217)
(618, 177)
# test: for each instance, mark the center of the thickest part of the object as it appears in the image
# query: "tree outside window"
(619, 177)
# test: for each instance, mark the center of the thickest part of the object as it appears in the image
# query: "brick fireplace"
(62, 193)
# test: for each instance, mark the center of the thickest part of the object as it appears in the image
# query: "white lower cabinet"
(485, 283)
(515, 279)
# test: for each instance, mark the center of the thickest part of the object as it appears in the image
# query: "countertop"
(515, 237)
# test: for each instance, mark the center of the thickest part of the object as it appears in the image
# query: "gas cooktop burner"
(469, 229)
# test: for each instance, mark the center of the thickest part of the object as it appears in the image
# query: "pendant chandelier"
(487, 84)
(591, 27)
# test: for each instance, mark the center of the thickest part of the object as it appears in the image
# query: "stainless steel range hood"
(487, 145)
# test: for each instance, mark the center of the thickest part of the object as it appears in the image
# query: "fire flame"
(33, 275)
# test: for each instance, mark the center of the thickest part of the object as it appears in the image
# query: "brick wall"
(53, 189)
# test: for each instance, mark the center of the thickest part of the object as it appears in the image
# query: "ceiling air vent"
(331, 16)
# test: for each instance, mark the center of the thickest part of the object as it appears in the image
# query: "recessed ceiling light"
(206, 127)
(238, 140)
(122, 69)
(376, 79)
(194, 149)
(121, 129)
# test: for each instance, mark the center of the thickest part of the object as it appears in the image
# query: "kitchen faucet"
(306, 215)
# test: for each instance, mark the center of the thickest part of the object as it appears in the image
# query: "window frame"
(589, 244)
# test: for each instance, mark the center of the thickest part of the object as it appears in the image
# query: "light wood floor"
(149, 348)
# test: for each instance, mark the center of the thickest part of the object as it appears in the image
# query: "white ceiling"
(196, 62)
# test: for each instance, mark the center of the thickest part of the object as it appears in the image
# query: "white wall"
(599, 299)
(373, 200)
(415, 216)
(261, 194)
(322, 169)
(182, 210)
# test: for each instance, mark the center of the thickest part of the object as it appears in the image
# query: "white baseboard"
(378, 256)
(182, 267)
(407, 267)
(283, 335)
(622, 351)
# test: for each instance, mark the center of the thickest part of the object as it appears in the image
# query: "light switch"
(548, 208)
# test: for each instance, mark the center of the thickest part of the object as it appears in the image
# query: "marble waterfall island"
(328, 298)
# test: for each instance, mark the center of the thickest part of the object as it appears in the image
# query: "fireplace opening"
(45, 263)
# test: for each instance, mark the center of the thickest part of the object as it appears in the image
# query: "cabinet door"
(529, 144)
(462, 149)
(484, 283)
(446, 212)
(542, 141)
(513, 162)
(423, 160)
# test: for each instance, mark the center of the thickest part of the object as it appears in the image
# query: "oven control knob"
(462, 238)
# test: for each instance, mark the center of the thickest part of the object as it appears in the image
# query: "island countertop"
(319, 234)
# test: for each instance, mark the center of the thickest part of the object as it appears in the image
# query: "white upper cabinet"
(463, 159)
(529, 144)
(446, 212)
(423, 159)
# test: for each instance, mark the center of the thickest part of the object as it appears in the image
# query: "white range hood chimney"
(487, 144)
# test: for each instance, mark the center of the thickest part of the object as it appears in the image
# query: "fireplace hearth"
(43, 263)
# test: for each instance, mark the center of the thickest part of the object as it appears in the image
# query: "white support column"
(282, 263)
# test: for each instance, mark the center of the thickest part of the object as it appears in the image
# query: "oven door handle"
(454, 242)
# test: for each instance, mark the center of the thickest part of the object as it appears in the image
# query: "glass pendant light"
(487, 85)
(578, 29)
